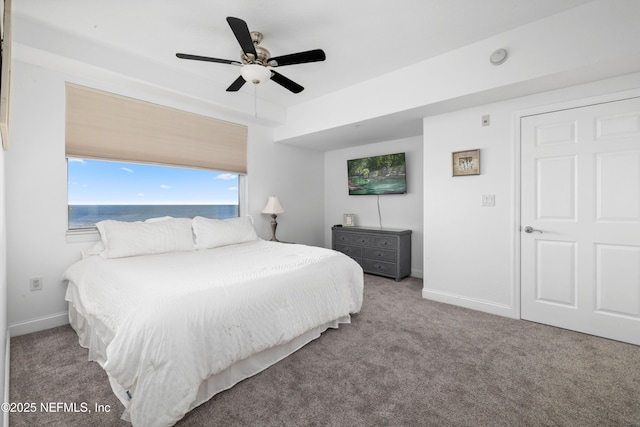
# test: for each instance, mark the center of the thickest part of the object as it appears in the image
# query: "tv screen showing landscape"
(385, 174)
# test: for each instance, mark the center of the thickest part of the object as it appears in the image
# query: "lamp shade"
(254, 73)
(273, 206)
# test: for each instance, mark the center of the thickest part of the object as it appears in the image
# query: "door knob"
(529, 229)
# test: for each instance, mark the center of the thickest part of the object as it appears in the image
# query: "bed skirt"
(91, 339)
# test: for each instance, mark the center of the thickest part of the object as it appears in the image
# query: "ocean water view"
(86, 216)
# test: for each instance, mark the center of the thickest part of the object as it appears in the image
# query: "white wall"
(3, 281)
(396, 210)
(468, 246)
(293, 174)
(36, 190)
(470, 251)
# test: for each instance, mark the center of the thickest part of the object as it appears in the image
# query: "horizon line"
(154, 204)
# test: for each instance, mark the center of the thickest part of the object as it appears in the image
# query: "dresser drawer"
(352, 251)
(379, 267)
(363, 239)
(380, 254)
(390, 242)
(342, 238)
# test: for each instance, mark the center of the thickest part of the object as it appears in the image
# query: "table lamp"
(273, 208)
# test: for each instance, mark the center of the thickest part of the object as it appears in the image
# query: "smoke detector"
(498, 57)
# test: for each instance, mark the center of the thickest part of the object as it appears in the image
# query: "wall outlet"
(488, 200)
(35, 284)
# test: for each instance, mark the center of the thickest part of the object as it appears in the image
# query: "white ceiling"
(362, 38)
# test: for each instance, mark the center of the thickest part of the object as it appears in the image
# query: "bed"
(176, 310)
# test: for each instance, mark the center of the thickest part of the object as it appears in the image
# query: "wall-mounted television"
(386, 174)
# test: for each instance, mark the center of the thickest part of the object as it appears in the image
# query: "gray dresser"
(381, 251)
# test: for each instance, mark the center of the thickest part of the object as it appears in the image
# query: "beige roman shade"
(101, 125)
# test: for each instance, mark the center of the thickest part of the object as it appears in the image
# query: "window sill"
(86, 235)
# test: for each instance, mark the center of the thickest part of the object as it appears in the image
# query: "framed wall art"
(466, 162)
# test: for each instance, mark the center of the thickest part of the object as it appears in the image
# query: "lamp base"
(274, 225)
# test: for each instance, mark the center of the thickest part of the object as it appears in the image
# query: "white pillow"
(96, 249)
(212, 233)
(99, 247)
(124, 239)
(158, 219)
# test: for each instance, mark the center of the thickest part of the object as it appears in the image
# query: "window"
(125, 137)
(99, 190)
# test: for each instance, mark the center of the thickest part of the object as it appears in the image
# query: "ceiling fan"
(257, 64)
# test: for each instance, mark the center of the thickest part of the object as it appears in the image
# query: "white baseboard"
(472, 303)
(416, 273)
(39, 324)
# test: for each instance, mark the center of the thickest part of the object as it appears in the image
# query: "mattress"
(171, 330)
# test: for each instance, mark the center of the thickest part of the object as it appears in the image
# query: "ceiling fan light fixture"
(255, 73)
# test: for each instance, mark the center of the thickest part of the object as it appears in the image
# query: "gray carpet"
(404, 361)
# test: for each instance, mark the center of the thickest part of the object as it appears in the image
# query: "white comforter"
(170, 321)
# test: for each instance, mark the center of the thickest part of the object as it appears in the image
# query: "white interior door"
(580, 219)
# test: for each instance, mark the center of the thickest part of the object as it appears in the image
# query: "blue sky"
(99, 182)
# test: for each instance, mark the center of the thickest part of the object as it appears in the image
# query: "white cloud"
(72, 160)
(164, 186)
(140, 194)
(127, 170)
(226, 176)
(233, 188)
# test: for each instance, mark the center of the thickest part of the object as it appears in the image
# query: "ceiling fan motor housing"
(263, 54)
